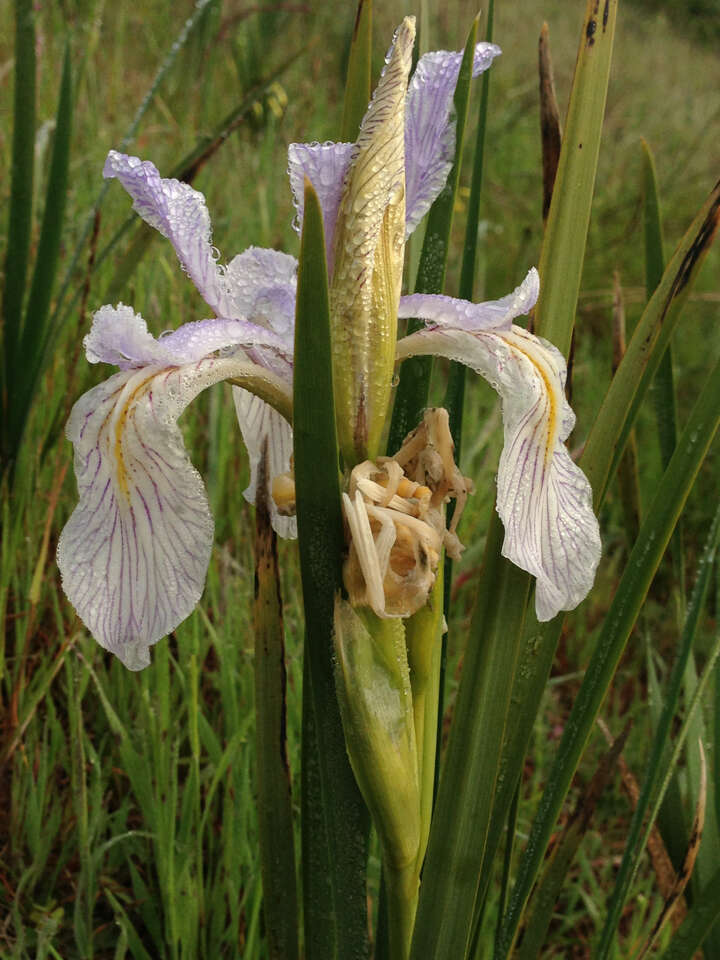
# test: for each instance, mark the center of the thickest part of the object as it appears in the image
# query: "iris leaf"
(656, 765)
(629, 597)
(563, 249)
(274, 791)
(359, 74)
(20, 219)
(35, 334)
(334, 817)
(448, 893)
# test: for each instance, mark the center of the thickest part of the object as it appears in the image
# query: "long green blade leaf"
(633, 849)
(663, 388)
(704, 914)
(21, 198)
(359, 73)
(560, 269)
(563, 249)
(35, 335)
(412, 391)
(444, 923)
(598, 461)
(274, 791)
(334, 815)
(642, 565)
(650, 338)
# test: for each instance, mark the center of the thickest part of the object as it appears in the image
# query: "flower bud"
(373, 687)
(368, 261)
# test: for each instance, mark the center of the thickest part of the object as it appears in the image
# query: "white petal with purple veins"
(134, 554)
(263, 284)
(429, 130)
(544, 499)
(120, 336)
(494, 315)
(258, 420)
(179, 212)
(325, 166)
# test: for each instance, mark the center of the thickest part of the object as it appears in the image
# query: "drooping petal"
(325, 165)
(429, 129)
(262, 284)
(369, 249)
(444, 311)
(134, 554)
(258, 420)
(544, 499)
(120, 336)
(179, 213)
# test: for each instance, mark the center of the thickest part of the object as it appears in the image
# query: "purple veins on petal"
(464, 315)
(429, 127)
(325, 165)
(134, 554)
(543, 499)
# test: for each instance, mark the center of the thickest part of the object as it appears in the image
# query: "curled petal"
(444, 311)
(179, 213)
(258, 420)
(120, 336)
(262, 284)
(134, 553)
(544, 499)
(429, 130)
(325, 165)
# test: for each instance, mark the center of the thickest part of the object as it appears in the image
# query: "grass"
(127, 823)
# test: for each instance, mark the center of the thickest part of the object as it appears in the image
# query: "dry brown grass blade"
(688, 863)
(550, 128)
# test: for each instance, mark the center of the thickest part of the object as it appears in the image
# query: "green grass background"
(127, 822)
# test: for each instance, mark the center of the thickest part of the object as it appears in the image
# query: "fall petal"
(544, 499)
(135, 551)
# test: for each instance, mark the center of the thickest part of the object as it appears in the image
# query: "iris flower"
(134, 554)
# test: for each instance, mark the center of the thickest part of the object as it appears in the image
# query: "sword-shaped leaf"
(334, 817)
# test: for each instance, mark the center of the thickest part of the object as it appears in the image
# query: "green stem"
(402, 886)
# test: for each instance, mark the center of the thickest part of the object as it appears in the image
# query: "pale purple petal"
(120, 336)
(262, 284)
(544, 499)
(445, 311)
(134, 554)
(180, 214)
(325, 166)
(429, 129)
(258, 420)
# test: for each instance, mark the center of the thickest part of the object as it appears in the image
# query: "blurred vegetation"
(127, 824)
(699, 19)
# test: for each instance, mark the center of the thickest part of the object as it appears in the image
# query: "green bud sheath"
(373, 686)
(369, 249)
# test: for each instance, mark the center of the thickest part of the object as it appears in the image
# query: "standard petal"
(429, 130)
(325, 166)
(120, 336)
(179, 212)
(258, 420)
(134, 553)
(544, 499)
(262, 284)
(444, 311)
